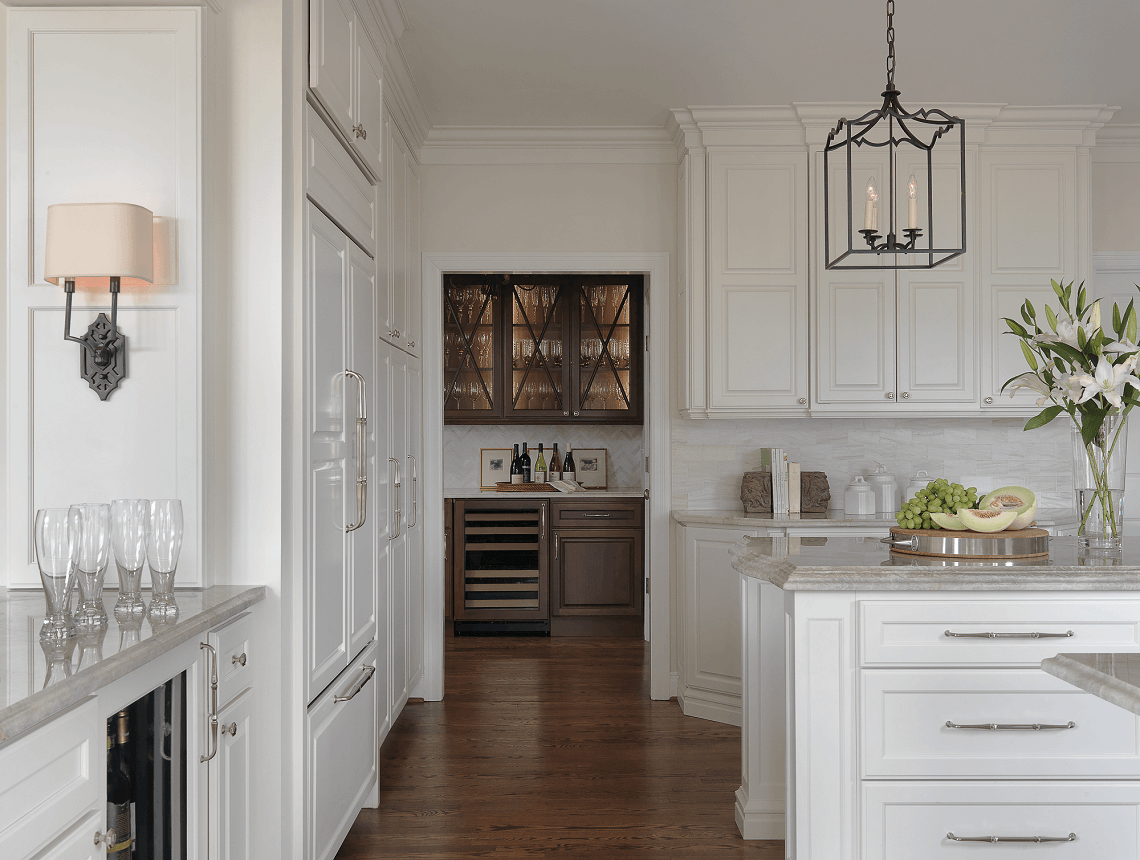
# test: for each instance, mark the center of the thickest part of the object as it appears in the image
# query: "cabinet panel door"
(362, 541)
(1002, 356)
(369, 141)
(855, 338)
(332, 46)
(79, 843)
(382, 495)
(396, 172)
(398, 540)
(936, 339)
(327, 253)
(415, 558)
(711, 656)
(757, 293)
(597, 572)
(231, 777)
(413, 326)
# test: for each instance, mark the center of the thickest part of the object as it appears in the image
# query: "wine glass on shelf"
(57, 549)
(93, 556)
(164, 544)
(130, 522)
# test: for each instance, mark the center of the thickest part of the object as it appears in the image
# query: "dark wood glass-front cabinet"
(543, 349)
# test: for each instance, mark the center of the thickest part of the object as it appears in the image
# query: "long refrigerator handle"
(393, 533)
(415, 492)
(361, 452)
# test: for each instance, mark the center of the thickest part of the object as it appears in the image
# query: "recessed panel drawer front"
(235, 657)
(625, 513)
(908, 820)
(905, 733)
(1000, 632)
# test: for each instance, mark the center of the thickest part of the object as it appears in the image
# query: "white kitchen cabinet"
(345, 74)
(757, 282)
(231, 782)
(398, 304)
(79, 842)
(341, 755)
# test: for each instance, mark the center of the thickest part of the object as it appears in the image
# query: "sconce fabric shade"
(99, 240)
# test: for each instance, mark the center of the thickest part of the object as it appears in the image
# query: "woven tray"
(504, 487)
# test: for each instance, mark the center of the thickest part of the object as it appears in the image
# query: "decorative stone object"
(756, 492)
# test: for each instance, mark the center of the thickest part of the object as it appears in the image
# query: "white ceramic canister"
(886, 489)
(859, 498)
(918, 482)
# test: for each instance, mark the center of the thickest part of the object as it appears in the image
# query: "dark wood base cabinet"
(575, 568)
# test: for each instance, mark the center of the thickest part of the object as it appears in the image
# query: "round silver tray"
(900, 559)
(974, 545)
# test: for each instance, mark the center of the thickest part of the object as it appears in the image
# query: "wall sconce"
(88, 241)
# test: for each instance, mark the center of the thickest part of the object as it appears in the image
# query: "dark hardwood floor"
(553, 745)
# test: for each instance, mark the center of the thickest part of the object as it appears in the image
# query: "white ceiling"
(626, 62)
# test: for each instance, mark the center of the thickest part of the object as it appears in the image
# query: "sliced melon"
(947, 521)
(1021, 501)
(986, 519)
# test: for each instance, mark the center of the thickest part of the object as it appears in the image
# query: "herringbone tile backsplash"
(461, 445)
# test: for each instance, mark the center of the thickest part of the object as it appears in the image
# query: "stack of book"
(785, 480)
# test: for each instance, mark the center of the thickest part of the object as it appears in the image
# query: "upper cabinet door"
(757, 353)
(413, 306)
(368, 134)
(855, 338)
(936, 338)
(536, 329)
(470, 351)
(606, 349)
(332, 52)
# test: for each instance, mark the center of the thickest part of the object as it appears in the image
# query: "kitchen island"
(918, 718)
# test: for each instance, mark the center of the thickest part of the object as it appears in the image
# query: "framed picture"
(494, 466)
(591, 467)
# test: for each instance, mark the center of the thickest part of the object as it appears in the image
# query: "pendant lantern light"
(896, 149)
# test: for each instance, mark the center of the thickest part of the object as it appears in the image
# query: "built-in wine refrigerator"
(146, 776)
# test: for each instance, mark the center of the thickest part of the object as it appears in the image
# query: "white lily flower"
(1068, 388)
(1032, 382)
(1094, 317)
(1119, 347)
(1107, 380)
(1066, 333)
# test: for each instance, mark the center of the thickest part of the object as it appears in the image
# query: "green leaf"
(1094, 418)
(1081, 300)
(1052, 317)
(1028, 304)
(1057, 289)
(1015, 328)
(1082, 341)
(1130, 322)
(1030, 359)
(1025, 316)
(1073, 356)
(1068, 292)
(1046, 415)
(1117, 322)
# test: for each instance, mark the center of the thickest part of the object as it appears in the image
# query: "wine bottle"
(525, 460)
(120, 799)
(516, 467)
(569, 470)
(554, 472)
(540, 467)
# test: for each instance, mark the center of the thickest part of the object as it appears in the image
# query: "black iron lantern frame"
(921, 130)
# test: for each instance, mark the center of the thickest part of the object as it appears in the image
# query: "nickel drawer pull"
(1072, 837)
(597, 515)
(369, 671)
(1010, 635)
(1012, 727)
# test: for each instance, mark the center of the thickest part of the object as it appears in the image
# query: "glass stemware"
(57, 548)
(163, 545)
(92, 559)
(130, 522)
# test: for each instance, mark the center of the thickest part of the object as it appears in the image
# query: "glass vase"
(1098, 483)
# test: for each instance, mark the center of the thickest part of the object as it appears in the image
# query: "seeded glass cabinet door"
(606, 376)
(470, 347)
(536, 329)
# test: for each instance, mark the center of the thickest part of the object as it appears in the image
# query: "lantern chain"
(890, 44)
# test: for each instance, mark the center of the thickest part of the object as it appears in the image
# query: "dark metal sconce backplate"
(102, 341)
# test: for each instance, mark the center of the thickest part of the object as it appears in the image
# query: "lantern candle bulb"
(912, 204)
(871, 212)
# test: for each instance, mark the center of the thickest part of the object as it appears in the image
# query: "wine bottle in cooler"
(554, 471)
(540, 467)
(120, 797)
(524, 459)
(516, 467)
(569, 470)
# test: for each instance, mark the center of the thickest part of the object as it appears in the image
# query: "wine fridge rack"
(503, 573)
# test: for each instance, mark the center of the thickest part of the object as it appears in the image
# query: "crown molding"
(1116, 261)
(1117, 144)
(494, 145)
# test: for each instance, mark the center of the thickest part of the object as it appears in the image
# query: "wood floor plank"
(553, 745)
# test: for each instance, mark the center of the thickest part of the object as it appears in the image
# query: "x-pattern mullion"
(468, 347)
(537, 349)
(605, 345)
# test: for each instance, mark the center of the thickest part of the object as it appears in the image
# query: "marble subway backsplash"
(461, 445)
(709, 457)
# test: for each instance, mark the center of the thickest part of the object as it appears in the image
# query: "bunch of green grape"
(939, 495)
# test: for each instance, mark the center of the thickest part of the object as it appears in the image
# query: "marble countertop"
(1113, 677)
(833, 518)
(476, 493)
(38, 680)
(864, 564)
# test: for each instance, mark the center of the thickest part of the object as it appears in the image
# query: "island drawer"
(908, 820)
(905, 731)
(998, 632)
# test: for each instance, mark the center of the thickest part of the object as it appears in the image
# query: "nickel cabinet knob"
(890, 395)
(238, 659)
(989, 400)
(230, 730)
(802, 401)
(109, 838)
(906, 395)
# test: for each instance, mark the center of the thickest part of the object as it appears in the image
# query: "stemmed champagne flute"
(57, 549)
(94, 554)
(130, 523)
(163, 545)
